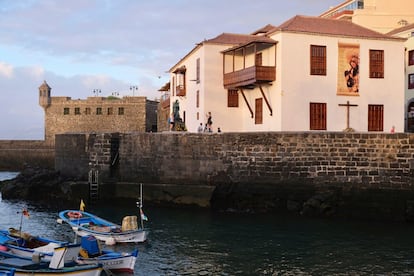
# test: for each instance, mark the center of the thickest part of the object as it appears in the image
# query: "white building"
(379, 15)
(407, 32)
(294, 77)
(394, 18)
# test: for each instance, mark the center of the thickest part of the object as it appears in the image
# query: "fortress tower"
(96, 114)
(44, 95)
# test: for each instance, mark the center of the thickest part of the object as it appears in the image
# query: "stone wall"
(99, 114)
(348, 174)
(319, 158)
(15, 154)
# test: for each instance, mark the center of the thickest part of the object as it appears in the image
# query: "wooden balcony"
(250, 76)
(165, 102)
(180, 90)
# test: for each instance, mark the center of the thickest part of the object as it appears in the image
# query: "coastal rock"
(37, 185)
(323, 204)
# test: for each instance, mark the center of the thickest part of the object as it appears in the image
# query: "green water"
(186, 241)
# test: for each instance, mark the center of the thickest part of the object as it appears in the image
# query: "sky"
(79, 46)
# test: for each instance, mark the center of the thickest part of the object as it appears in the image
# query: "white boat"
(24, 245)
(84, 223)
(58, 266)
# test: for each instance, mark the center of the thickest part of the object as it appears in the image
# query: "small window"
(88, 111)
(99, 111)
(198, 98)
(110, 111)
(77, 111)
(411, 57)
(318, 60)
(376, 64)
(66, 111)
(232, 98)
(198, 70)
(121, 111)
(411, 81)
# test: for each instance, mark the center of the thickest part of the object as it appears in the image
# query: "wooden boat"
(24, 245)
(57, 266)
(84, 223)
(7, 272)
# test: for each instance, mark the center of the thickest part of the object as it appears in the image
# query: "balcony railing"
(180, 90)
(249, 76)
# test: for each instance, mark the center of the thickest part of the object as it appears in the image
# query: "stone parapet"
(16, 154)
(318, 158)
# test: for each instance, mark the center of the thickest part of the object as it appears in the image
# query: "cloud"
(81, 45)
(6, 70)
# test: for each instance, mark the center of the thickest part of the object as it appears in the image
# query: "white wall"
(294, 89)
(299, 88)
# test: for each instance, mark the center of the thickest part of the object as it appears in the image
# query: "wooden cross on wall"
(348, 105)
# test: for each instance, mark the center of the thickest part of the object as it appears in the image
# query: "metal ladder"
(93, 180)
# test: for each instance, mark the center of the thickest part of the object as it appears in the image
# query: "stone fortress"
(96, 114)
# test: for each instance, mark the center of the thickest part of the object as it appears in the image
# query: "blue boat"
(7, 272)
(14, 243)
(57, 266)
(84, 224)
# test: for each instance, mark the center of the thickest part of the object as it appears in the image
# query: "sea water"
(191, 241)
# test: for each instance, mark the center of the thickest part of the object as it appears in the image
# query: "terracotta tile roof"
(324, 26)
(401, 29)
(264, 29)
(255, 39)
(223, 39)
(166, 87)
(227, 38)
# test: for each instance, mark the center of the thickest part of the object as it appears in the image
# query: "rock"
(37, 185)
(322, 204)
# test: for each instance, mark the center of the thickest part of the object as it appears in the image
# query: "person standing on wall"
(171, 120)
(200, 128)
(209, 122)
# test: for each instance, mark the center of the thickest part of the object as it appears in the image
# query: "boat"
(84, 224)
(21, 244)
(7, 272)
(57, 266)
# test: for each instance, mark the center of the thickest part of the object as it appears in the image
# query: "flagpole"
(21, 223)
(140, 206)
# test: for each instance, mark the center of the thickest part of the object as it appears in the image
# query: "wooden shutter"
(317, 60)
(317, 115)
(375, 117)
(258, 118)
(376, 64)
(232, 98)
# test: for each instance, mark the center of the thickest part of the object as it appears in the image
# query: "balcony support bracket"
(247, 103)
(267, 102)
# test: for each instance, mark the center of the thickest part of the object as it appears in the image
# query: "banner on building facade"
(348, 69)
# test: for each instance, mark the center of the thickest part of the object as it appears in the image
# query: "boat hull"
(115, 265)
(83, 272)
(109, 238)
(23, 267)
(114, 261)
(84, 224)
